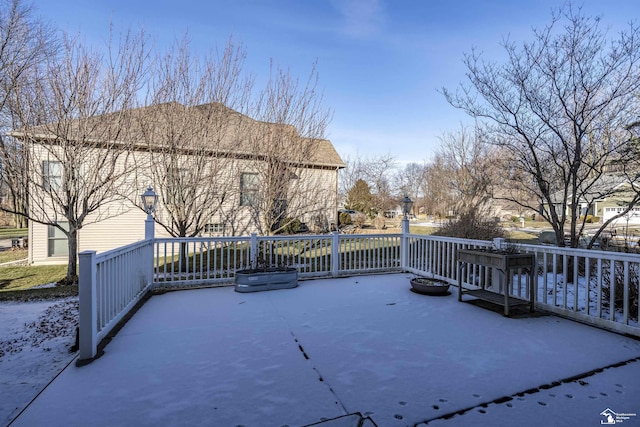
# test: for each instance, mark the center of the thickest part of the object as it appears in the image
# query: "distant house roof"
(607, 185)
(226, 131)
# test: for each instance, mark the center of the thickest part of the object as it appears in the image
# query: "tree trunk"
(183, 255)
(72, 265)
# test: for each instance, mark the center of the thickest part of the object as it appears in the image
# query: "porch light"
(149, 200)
(407, 204)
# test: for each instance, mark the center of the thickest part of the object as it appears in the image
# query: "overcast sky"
(382, 63)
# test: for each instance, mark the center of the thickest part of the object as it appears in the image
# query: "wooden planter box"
(270, 279)
(505, 262)
(500, 260)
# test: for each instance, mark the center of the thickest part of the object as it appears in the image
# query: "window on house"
(214, 228)
(249, 189)
(51, 175)
(57, 240)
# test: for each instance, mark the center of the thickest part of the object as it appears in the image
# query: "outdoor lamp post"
(407, 204)
(149, 199)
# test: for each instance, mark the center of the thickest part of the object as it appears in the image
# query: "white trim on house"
(632, 217)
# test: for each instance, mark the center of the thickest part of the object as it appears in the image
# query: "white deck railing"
(110, 285)
(597, 287)
(189, 262)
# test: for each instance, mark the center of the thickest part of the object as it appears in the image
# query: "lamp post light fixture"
(149, 200)
(407, 204)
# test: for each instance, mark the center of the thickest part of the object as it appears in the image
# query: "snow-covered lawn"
(339, 346)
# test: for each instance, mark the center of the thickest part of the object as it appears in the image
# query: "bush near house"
(472, 226)
(590, 219)
(359, 220)
(618, 287)
(292, 226)
(344, 218)
(379, 223)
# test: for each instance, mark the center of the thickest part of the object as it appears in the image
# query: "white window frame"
(214, 228)
(55, 235)
(249, 190)
(51, 181)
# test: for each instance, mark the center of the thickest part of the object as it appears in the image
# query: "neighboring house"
(238, 155)
(609, 196)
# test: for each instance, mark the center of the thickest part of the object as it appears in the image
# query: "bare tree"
(377, 172)
(631, 154)
(349, 175)
(411, 182)
(459, 179)
(25, 43)
(189, 129)
(283, 176)
(558, 107)
(73, 122)
(467, 163)
(438, 198)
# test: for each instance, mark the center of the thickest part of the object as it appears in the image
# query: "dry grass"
(516, 236)
(8, 233)
(20, 278)
(13, 255)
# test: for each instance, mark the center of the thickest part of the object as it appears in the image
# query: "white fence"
(110, 285)
(189, 262)
(596, 287)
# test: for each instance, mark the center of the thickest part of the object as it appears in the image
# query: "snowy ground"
(340, 346)
(35, 343)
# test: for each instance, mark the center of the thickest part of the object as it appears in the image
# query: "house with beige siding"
(216, 171)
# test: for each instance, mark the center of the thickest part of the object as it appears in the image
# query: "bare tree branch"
(74, 119)
(25, 43)
(189, 131)
(557, 108)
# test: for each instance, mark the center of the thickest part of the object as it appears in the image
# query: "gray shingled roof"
(226, 132)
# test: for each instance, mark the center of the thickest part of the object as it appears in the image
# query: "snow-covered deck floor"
(336, 346)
